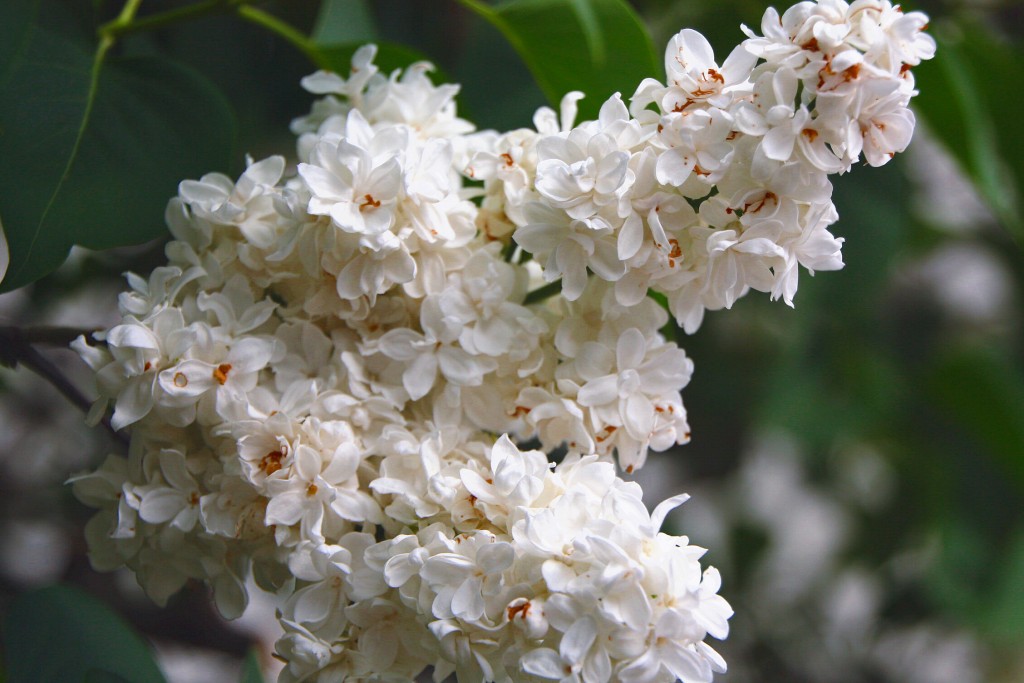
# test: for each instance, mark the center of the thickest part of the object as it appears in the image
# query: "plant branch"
(542, 293)
(16, 349)
(50, 335)
(124, 25)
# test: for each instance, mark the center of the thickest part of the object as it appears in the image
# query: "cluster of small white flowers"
(716, 181)
(315, 382)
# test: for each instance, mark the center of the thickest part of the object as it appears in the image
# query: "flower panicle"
(314, 382)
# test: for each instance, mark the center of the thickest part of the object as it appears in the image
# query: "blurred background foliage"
(857, 467)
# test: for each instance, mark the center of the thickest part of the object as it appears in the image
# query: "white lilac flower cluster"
(316, 383)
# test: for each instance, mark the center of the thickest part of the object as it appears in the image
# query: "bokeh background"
(857, 466)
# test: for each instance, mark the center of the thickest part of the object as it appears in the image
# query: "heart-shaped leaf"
(93, 147)
(60, 634)
(597, 46)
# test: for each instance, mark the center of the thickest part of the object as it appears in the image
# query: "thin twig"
(119, 27)
(16, 349)
(50, 335)
(542, 293)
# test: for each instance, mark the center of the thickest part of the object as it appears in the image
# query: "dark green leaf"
(344, 26)
(251, 671)
(344, 21)
(93, 150)
(597, 46)
(60, 635)
(968, 102)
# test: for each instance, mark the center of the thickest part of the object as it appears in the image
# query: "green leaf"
(60, 635)
(93, 148)
(342, 27)
(969, 100)
(251, 670)
(344, 21)
(597, 46)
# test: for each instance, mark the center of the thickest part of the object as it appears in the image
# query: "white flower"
(517, 479)
(697, 143)
(622, 390)
(571, 664)
(694, 78)
(357, 187)
(215, 197)
(467, 577)
(587, 169)
(431, 351)
(140, 351)
(177, 501)
(220, 375)
(569, 247)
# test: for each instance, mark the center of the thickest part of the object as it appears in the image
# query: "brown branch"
(16, 348)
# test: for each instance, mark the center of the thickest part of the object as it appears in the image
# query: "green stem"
(123, 26)
(131, 7)
(125, 23)
(542, 293)
(509, 252)
(286, 31)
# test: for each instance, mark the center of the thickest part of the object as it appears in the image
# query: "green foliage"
(958, 383)
(342, 27)
(94, 141)
(968, 100)
(61, 635)
(93, 146)
(344, 21)
(599, 47)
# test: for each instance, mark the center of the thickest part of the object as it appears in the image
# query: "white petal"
(324, 184)
(161, 505)
(599, 392)
(578, 639)
(630, 349)
(495, 557)
(675, 166)
(463, 369)
(666, 506)
(638, 418)
(467, 602)
(545, 663)
(419, 377)
(134, 402)
(5, 253)
(286, 508)
(631, 236)
(230, 596)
